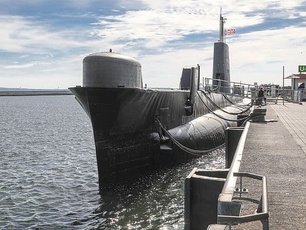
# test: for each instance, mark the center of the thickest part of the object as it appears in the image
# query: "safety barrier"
(231, 88)
(244, 90)
(229, 209)
(262, 210)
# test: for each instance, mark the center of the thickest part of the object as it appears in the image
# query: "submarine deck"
(278, 151)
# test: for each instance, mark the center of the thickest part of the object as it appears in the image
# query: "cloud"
(20, 34)
(153, 29)
(165, 70)
(260, 55)
(54, 73)
(161, 23)
(21, 66)
(163, 35)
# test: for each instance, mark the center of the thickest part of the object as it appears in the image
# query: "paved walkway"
(278, 151)
(293, 116)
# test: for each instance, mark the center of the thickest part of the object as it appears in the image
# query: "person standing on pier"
(301, 91)
(261, 96)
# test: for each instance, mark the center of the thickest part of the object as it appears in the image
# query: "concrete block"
(201, 198)
(232, 137)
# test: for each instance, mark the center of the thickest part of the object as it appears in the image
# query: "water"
(48, 174)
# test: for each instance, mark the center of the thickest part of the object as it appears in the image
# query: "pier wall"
(35, 92)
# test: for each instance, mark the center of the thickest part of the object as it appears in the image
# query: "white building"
(296, 81)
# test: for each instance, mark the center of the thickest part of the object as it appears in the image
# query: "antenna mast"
(222, 21)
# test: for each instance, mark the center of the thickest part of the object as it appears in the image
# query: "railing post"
(202, 189)
(232, 137)
(240, 192)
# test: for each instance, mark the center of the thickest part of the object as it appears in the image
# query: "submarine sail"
(221, 64)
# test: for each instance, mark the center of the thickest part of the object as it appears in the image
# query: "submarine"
(137, 129)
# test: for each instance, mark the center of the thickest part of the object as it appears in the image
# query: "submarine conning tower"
(111, 70)
(221, 66)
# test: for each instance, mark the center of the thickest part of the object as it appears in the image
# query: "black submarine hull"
(129, 127)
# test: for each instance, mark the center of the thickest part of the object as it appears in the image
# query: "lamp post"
(283, 85)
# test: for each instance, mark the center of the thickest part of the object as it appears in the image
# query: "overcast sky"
(42, 43)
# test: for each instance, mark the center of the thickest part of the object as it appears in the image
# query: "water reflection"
(153, 201)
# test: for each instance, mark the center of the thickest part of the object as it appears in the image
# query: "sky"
(43, 42)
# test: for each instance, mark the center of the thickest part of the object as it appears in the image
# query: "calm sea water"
(48, 174)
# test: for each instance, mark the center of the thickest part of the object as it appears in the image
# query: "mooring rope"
(249, 118)
(228, 99)
(217, 115)
(213, 89)
(249, 104)
(217, 106)
(194, 152)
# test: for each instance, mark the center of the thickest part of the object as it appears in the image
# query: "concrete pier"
(278, 151)
(265, 187)
(35, 92)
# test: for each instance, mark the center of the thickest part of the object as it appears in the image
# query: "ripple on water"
(49, 174)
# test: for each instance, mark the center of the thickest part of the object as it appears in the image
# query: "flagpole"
(221, 38)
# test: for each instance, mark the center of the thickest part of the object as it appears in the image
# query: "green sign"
(302, 68)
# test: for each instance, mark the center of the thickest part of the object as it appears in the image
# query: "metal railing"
(232, 88)
(262, 210)
(271, 92)
(229, 209)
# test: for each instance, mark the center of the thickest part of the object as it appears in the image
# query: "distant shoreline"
(35, 92)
